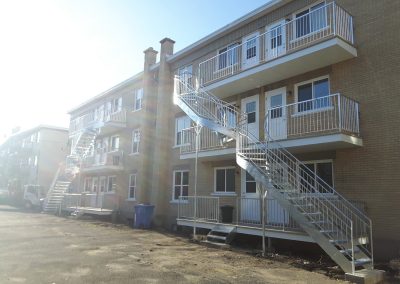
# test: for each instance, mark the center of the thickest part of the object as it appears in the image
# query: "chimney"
(150, 58)
(167, 48)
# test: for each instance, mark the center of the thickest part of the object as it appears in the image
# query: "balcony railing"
(209, 140)
(100, 200)
(97, 120)
(325, 115)
(101, 158)
(246, 212)
(325, 22)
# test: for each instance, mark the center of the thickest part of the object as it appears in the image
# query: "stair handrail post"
(237, 210)
(198, 131)
(264, 195)
(372, 243)
(352, 248)
(339, 113)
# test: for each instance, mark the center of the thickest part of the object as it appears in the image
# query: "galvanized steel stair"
(55, 196)
(221, 235)
(341, 229)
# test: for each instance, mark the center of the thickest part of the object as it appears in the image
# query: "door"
(250, 107)
(95, 192)
(275, 40)
(98, 155)
(276, 124)
(250, 50)
(102, 189)
(276, 215)
(104, 150)
(250, 204)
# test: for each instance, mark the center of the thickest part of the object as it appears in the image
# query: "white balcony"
(320, 38)
(105, 122)
(96, 203)
(103, 161)
(325, 123)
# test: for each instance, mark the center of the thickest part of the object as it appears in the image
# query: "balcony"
(95, 203)
(103, 161)
(317, 39)
(211, 144)
(330, 122)
(105, 122)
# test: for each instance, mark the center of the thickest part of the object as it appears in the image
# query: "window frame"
(88, 184)
(130, 186)
(228, 63)
(117, 138)
(185, 117)
(313, 108)
(116, 107)
(315, 163)
(308, 8)
(225, 192)
(186, 72)
(181, 185)
(135, 131)
(108, 184)
(138, 92)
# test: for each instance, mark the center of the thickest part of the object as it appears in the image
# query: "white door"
(276, 124)
(250, 204)
(104, 150)
(276, 215)
(98, 152)
(102, 189)
(250, 107)
(250, 50)
(95, 189)
(275, 40)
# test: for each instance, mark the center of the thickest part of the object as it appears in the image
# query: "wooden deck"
(90, 210)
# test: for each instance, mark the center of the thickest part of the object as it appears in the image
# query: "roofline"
(33, 129)
(273, 4)
(107, 92)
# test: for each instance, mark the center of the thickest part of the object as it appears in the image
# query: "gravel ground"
(39, 248)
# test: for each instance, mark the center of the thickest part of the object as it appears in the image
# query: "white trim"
(296, 95)
(135, 94)
(181, 185)
(134, 187)
(134, 131)
(215, 180)
(227, 193)
(110, 147)
(108, 182)
(184, 117)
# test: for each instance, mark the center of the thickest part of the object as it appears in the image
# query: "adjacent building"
(317, 82)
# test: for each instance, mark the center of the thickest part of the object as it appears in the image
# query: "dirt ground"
(39, 248)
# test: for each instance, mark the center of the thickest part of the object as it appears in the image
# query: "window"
(251, 186)
(186, 74)
(228, 56)
(312, 170)
(87, 184)
(116, 105)
(181, 123)
(313, 95)
(251, 112)
(181, 184)
(251, 47)
(135, 141)
(224, 180)
(103, 181)
(112, 183)
(132, 186)
(311, 20)
(114, 143)
(137, 99)
(95, 184)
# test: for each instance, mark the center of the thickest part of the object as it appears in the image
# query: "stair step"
(221, 238)
(349, 251)
(311, 213)
(223, 229)
(318, 222)
(362, 261)
(338, 242)
(328, 231)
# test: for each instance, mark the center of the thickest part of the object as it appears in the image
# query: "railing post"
(352, 248)
(339, 113)
(237, 210)
(334, 17)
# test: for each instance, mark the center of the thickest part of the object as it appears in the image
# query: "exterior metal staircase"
(341, 229)
(66, 174)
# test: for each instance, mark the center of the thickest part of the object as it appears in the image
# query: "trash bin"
(143, 216)
(227, 213)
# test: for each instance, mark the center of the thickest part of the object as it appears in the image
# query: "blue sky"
(55, 54)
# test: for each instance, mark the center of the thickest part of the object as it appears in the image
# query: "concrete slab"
(366, 276)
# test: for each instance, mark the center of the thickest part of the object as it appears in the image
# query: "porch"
(246, 216)
(103, 160)
(104, 203)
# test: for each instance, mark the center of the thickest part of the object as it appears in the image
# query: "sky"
(56, 54)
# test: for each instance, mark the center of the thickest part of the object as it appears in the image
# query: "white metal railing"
(90, 120)
(100, 200)
(331, 114)
(209, 140)
(324, 22)
(247, 212)
(103, 158)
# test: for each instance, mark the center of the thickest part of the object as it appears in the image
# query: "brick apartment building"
(317, 81)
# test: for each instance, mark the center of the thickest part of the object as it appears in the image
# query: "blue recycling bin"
(143, 216)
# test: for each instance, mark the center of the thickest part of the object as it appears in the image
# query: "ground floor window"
(180, 184)
(224, 180)
(112, 183)
(313, 172)
(132, 186)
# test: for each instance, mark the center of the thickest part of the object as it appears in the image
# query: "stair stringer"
(303, 222)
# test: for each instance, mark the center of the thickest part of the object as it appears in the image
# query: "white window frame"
(315, 162)
(215, 181)
(229, 64)
(108, 183)
(116, 105)
(187, 73)
(181, 185)
(138, 97)
(295, 38)
(132, 187)
(187, 120)
(135, 134)
(103, 179)
(112, 139)
(296, 94)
